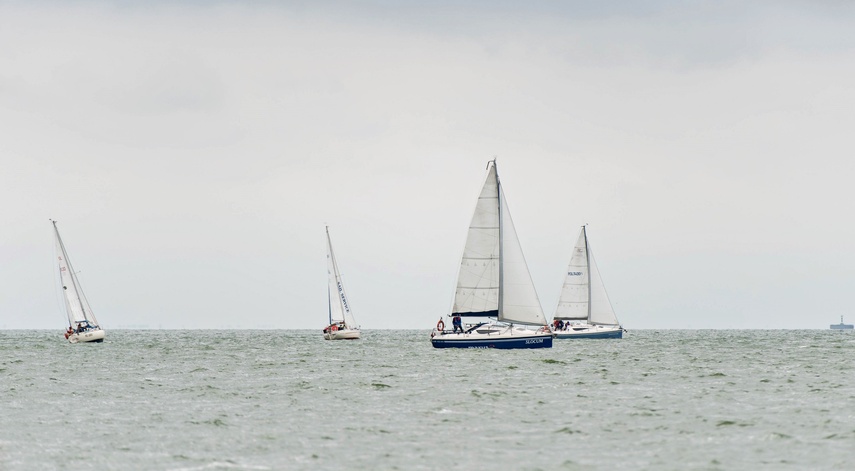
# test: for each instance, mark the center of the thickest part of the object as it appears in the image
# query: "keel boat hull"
(504, 340)
(88, 336)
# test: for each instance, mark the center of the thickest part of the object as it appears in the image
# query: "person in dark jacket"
(457, 323)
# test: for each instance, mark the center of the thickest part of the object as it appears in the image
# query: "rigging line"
(329, 300)
(336, 274)
(59, 296)
(501, 241)
(588, 269)
(603, 284)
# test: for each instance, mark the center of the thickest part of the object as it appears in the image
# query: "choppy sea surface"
(279, 399)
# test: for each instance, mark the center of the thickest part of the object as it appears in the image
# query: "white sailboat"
(494, 282)
(342, 325)
(82, 325)
(584, 304)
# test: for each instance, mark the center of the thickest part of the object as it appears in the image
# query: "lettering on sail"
(574, 273)
(343, 299)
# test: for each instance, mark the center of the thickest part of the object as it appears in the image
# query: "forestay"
(602, 311)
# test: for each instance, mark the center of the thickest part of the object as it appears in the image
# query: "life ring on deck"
(333, 328)
(440, 326)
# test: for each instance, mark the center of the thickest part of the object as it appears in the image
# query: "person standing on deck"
(457, 323)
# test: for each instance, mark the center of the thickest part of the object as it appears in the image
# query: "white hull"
(590, 331)
(342, 335)
(88, 336)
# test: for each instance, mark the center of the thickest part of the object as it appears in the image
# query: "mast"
(346, 315)
(329, 302)
(501, 244)
(71, 272)
(477, 287)
(588, 269)
(335, 276)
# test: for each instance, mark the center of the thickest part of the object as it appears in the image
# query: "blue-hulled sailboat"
(584, 310)
(494, 286)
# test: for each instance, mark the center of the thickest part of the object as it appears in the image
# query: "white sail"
(477, 292)
(494, 280)
(518, 299)
(583, 295)
(573, 302)
(76, 305)
(602, 311)
(338, 304)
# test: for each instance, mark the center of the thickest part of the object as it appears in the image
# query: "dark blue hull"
(506, 343)
(612, 334)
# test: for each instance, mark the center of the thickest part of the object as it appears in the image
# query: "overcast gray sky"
(193, 151)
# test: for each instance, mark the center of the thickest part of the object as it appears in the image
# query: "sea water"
(279, 399)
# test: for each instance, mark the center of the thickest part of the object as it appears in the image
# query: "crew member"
(457, 323)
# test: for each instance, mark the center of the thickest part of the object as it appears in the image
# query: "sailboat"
(82, 325)
(342, 326)
(494, 283)
(584, 304)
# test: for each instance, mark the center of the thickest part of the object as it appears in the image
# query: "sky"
(193, 152)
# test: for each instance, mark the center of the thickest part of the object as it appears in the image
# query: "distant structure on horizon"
(842, 326)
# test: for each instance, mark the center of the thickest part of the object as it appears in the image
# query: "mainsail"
(494, 280)
(338, 304)
(76, 304)
(477, 292)
(573, 302)
(583, 296)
